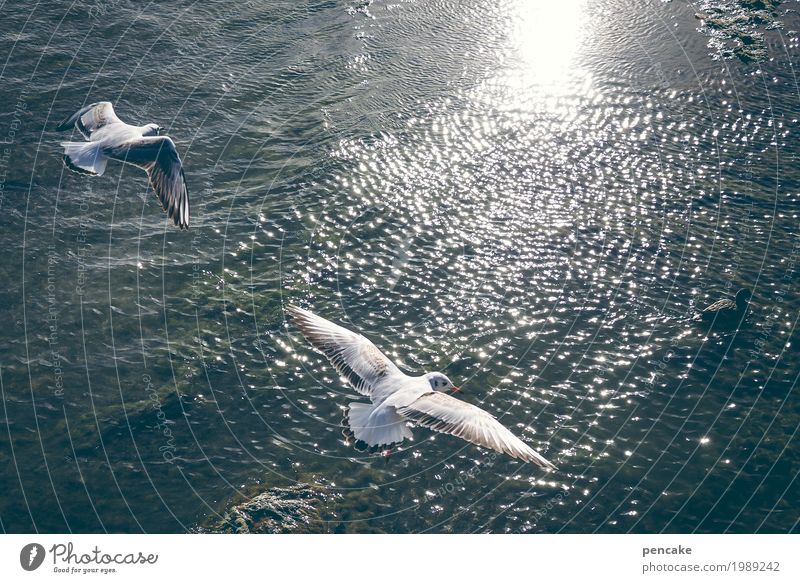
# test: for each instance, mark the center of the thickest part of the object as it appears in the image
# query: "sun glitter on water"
(546, 37)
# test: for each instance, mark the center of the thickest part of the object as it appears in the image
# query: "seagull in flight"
(398, 398)
(109, 137)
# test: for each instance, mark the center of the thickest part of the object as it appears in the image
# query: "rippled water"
(530, 198)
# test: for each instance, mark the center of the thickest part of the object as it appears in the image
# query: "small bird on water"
(109, 137)
(398, 398)
(727, 311)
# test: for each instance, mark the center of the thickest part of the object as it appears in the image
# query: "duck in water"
(726, 312)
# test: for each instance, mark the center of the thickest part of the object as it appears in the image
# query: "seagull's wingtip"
(536, 458)
(294, 310)
(540, 461)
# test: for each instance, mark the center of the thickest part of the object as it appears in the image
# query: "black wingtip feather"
(77, 169)
(74, 121)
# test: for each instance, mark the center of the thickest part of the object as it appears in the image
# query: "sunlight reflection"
(547, 37)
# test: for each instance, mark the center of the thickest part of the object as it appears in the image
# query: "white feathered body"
(90, 155)
(399, 399)
(108, 137)
(379, 423)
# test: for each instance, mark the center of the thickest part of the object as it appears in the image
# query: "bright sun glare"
(546, 38)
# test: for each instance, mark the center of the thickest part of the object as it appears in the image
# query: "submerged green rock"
(294, 509)
(737, 27)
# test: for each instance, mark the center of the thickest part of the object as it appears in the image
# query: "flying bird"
(109, 137)
(398, 398)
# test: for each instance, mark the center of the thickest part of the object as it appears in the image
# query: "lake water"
(530, 197)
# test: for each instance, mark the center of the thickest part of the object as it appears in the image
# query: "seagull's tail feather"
(375, 428)
(84, 157)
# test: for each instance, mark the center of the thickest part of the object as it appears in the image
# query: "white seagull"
(109, 137)
(398, 398)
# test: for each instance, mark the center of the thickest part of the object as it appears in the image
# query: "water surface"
(532, 199)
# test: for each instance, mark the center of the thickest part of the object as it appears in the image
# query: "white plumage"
(108, 137)
(398, 398)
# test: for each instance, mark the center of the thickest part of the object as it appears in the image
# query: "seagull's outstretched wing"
(354, 357)
(158, 156)
(91, 118)
(441, 412)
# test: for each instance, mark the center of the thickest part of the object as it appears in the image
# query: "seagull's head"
(440, 382)
(152, 129)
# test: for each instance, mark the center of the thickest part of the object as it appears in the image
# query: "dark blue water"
(532, 199)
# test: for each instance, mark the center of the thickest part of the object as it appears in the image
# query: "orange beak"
(455, 389)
